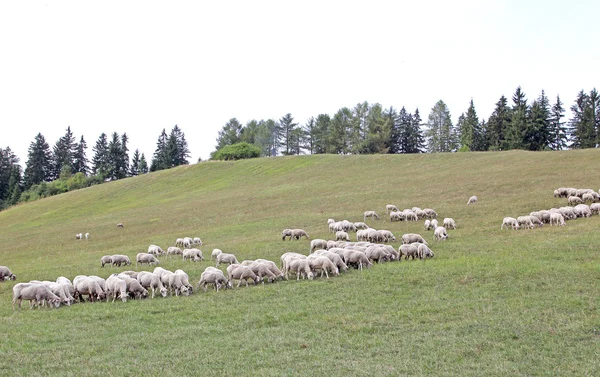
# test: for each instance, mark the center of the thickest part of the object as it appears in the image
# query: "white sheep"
(427, 224)
(574, 200)
(212, 275)
(510, 222)
(197, 241)
(449, 223)
(107, 259)
(241, 273)
(424, 252)
(372, 214)
(299, 233)
(185, 279)
(194, 255)
(155, 250)
(356, 258)
(146, 258)
(387, 235)
(360, 225)
(79, 236)
(322, 263)
(413, 237)
(408, 250)
(36, 294)
(300, 266)
(472, 200)
(557, 218)
(84, 285)
(440, 234)
(431, 214)
(342, 236)
(317, 244)
(226, 258)
(151, 280)
(434, 224)
(391, 208)
(119, 259)
(525, 221)
(214, 253)
(6, 274)
(272, 266)
(595, 208)
(116, 287)
(286, 233)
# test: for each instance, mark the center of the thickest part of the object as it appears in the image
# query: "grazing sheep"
(116, 287)
(525, 221)
(449, 223)
(322, 263)
(79, 236)
(272, 266)
(300, 266)
(226, 258)
(557, 218)
(427, 225)
(413, 237)
(335, 258)
(119, 259)
(424, 252)
(155, 250)
(286, 258)
(197, 241)
(107, 259)
(214, 253)
(299, 233)
(185, 279)
(372, 214)
(134, 288)
(174, 250)
(6, 274)
(151, 280)
(192, 255)
(342, 236)
(391, 208)
(120, 225)
(377, 253)
(241, 273)
(87, 236)
(131, 274)
(574, 200)
(85, 285)
(510, 221)
(176, 285)
(360, 225)
(212, 275)
(58, 289)
(317, 244)
(397, 216)
(472, 200)
(408, 250)
(440, 234)
(595, 208)
(146, 258)
(36, 294)
(409, 215)
(387, 235)
(375, 236)
(588, 197)
(356, 258)
(582, 210)
(286, 233)
(67, 287)
(431, 214)
(261, 270)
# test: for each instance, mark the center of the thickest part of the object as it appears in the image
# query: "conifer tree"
(160, 159)
(39, 162)
(515, 135)
(101, 161)
(63, 153)
(143, 165)
(582, 125)
(229, 134)
(288, 134)
(498, 124)
(80, 162)
(134, 167)
(558, 129)
(441, 135)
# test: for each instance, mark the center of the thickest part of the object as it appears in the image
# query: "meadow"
(491, 303)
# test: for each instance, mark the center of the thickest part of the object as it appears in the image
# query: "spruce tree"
(441, 135)
(178, 147)
(63, 153)
(498, 124)
(160, 159)
(39, 162)
(391, 116)
(229, 134)
(15, 186)
(134, 168)
(402, 136)
(416, 140)
(322, 129)
(536, 133)
(115, 158)
(288, 134)
(143, 165)
(8, 162)
(515, 135)
(558, 130)
(80, 162)
(582, 125)
(338, 140)
(100, 161)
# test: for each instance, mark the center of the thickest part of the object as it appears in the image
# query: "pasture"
(491, 302)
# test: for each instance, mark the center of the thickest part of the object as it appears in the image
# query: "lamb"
(557, 218)
(174, 250)
(299, 233)
(226, 258)
(212, 275)
(408, 250)
(413, 237)
(427, 224)
(155, 250)
(434, 224)
(356, 258)
(286, 233)
(119, 259)
(116, 287)
(472, 200)
(510, 221)
(342, 236)
(185, 279)
(372, 214)
(440, 234)
(391, 208)
(449, 223)
(151, 280)
(574, 200)
(107, 259)
(241, 273)
(149, 259)
(214, 253)
(35, 293)
(317, 244)
(322, 263)
(193, 255)
(6, 274)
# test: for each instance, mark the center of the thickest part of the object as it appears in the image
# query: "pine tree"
(558, 130)
(100, 161)
(229, 134)
(515, 135)
(249, 131)
(287, 126)
(143, 165)
(63, 153)
(582, 125)
(537, 131)
(402, 136)
(391, 116)
(310, 130)
(134, 168)
(178, 147)
(441, 135)
(117, 168)
(8, 162)
(415, 140)
(322, 129)
(15, 186)
(80, 162)
(39, 162)
(160, 159)
(498, 124)
(471, 137)
(595, 110)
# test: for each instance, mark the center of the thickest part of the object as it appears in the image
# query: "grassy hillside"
(491, 302)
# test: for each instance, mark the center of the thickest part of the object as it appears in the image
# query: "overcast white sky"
(141, 66)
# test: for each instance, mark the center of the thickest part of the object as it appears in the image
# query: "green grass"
(491, 302)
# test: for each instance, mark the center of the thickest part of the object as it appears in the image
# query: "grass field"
(491, 302)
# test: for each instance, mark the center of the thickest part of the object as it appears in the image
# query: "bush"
(236, 152)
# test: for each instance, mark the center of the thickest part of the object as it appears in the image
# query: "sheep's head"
(66, 301)
(163, 292)
(310, 275)
(54, 301)
(184, 291)
(144, 293)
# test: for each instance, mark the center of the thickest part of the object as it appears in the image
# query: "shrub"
(236, 152)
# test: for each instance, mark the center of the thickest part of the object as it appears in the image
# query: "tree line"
(65, 166)
(369, 128)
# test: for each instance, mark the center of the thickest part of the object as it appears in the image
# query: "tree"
(558, 131)
(310, 132)
(100, 161)
(63, 153)
(80, 162)
(415, 141)
(498, 124)
(178, 147)
(134, 168)
(537, 131)
(470, 135)
(236, 152)
(161, 159)
(338, 141)
(518, 123)
(378, 130)
(288, 134)
(143, 165)
(582, 125)
(15, 186)
(267, 137)
(8, 163)
(249, 131)
(440, 134)
(116, 168)
(229, 134)
(39, 162)
(358, 128)
(321, 133)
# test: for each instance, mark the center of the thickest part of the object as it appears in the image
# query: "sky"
(139, 67)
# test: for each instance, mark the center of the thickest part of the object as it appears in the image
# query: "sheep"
(299, 233)
(397, 216)
(582, 210)
(134, 288)
(360, 225)
(510, 221)
(131, 274)
(391, 208)
(214, 253)
(272, 266)
(568, 212)
(342, 236)
(375, 236)
(67, 287)
(58, 289)
(176, 284)
(226, 258)
(595, 208)
(378, 254)
(261, 270)
(188, 242)
(174, 250)
(440, 234)
(300, 266)
(78, 236)
(322, 263)
(408, 250)
(151, 280)
(449, 223)
(101, 281)
(36, 294)
(317, 244)
(197, 241)
(387, 235)
(84, 285)
(155, 250)
(193, 255)
(361, 235)
(212, 275)
(472, 200)
(431, 214)
(241, 273)
(413, 237)
(427, 224)
(557, 218)
(116, 287)
(179, 242)
(185, 279)
(434, 224)
(119, 259)
(107, 259)
(356, 258)
(120, 225)
(149, 259)
(424, 252)
(526, 221)
(6, 274)
(588, 197)
(286, 258)
(409, 215)
(286, 233)
(372, 214)
(574, 200)
(536, 221)
(335, 258)
(87, 236)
